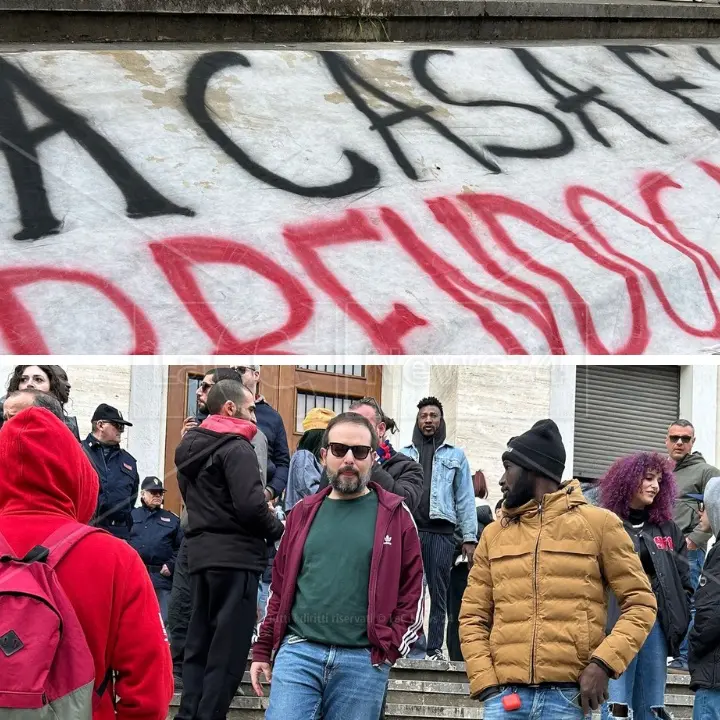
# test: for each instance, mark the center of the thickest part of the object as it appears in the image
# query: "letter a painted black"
(347, 78)
(19, 144)
(576, 103)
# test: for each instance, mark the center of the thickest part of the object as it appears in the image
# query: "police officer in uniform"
(117, 470)
(156, 535)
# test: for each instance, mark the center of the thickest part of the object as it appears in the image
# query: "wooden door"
(303, 387)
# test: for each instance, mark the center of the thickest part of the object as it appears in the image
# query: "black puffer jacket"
(704, 656)
(399, 474)
(671, 584)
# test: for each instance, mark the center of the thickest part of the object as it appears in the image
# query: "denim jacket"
(451, 490)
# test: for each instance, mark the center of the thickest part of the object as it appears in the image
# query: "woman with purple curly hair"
(641, 490)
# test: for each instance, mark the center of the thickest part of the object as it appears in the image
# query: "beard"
(522, 492)
(348, 484)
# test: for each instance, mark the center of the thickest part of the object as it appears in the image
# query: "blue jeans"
(706, 705)
(696, 559)
(642, 686)
(537, 704)
(263, 592)
(163, 596)
(310, 681)
(419, 650)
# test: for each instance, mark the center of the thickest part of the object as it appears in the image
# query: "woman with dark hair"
(459, 572)
(641, 490)
(51, 379)
(305, 467)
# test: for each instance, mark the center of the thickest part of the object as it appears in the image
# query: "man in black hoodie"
(229, 525)
(180, 603)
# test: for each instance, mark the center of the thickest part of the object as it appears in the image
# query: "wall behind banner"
(448, 200)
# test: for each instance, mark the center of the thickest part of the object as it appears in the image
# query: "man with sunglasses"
(393, 471)
(156, 535)
(692, 474)
(116, 468)
(346, 594)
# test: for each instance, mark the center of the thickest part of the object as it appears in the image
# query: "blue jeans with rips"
(642, 686)
(310, 681)
(546, 703)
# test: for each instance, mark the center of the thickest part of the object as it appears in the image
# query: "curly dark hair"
(426, 402)
(623, 479)
(59, 384)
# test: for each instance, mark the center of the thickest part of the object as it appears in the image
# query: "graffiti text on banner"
(556, 200)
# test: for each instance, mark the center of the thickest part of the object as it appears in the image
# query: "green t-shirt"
(331, 595)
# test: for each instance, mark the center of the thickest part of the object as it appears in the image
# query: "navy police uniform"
(119, 479)
(156, 535)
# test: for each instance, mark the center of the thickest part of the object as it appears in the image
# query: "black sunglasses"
(204, 386)
(340, 450)
(676, 438)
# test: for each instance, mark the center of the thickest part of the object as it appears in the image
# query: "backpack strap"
(61, 541)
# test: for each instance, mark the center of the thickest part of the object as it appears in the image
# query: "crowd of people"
(565, 598)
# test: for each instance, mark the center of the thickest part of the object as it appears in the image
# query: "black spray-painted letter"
(363, 176)
(19, 144)
(672, 85)
(576, 102)
(347, 78)
(562, 147)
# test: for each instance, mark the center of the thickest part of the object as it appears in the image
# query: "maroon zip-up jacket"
(395, 595)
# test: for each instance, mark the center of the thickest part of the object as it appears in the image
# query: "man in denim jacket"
(447, 501)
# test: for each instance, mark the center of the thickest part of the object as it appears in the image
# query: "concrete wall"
(189, 200)
(444, 385)
(496, 402)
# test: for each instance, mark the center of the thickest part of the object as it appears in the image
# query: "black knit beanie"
(540, 449)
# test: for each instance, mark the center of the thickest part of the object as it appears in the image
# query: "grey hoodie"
(692, 474)
(712, 503)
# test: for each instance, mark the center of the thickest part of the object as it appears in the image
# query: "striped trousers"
(438, 551)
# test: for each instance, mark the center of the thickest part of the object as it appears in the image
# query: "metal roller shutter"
(620, 410)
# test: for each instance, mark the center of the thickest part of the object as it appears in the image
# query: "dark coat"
(704, 655)
(484, 518)
(671, 584)
(156, 535)
(119, 485)
(219, 478)
(399, 474)
(278, 460)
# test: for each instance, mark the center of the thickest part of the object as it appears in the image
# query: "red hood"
(43, 468)
(225, 424)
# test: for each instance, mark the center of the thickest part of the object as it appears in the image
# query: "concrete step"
(437, 690)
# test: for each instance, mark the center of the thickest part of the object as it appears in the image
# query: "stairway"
(437, 690)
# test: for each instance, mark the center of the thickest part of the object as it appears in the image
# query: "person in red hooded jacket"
(46, 481)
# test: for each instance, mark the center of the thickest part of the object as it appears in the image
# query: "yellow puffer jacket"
(536, 603)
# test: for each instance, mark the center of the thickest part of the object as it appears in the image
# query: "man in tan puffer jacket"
(532, 624)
